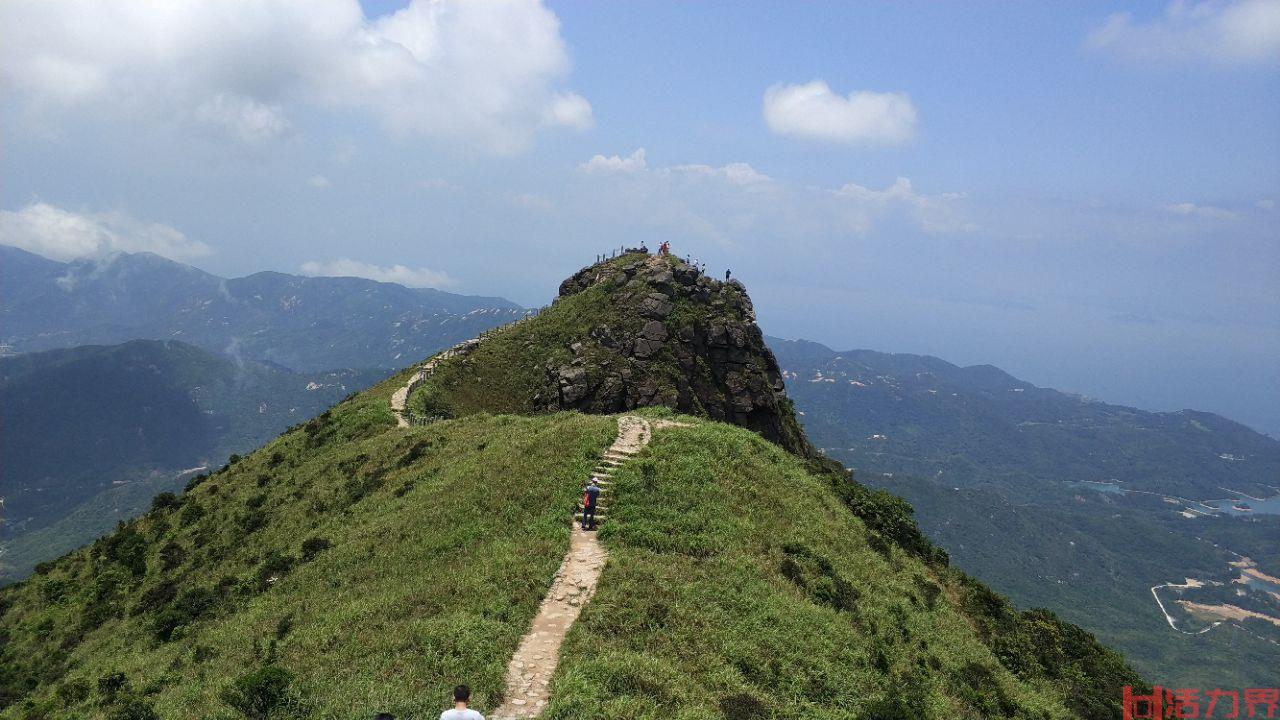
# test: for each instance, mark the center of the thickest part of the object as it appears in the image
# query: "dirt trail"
(530, 670)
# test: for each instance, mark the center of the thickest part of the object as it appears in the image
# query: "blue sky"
(1081, 193)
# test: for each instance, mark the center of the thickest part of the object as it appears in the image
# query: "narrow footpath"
(530, 670)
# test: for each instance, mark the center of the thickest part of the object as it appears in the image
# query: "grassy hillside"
(993, 465)
(351, 567)
(377, 567)
(742, 586)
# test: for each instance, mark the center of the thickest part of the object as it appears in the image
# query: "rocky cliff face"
(672, 336)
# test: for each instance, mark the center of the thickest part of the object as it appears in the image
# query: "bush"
(191, 512)
(190, 606)
(194, 482)
(889, 516)
(111, 685)
(172, 555)
(132, 707)
(274, 566)
(72, 692)
(313, 546)
(256, 694)
(252, 520)
(165, 501)
(128, 548)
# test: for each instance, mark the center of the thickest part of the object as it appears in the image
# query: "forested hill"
(923, 416)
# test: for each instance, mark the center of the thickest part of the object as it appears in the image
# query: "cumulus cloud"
(570, 110)
(484, 73)
(735, 173)
(614, 164)
(1238, 32)
(813, 111)
(64, 235)
(410, 277)
(731, 203)
(941, 213)
(1200, 211)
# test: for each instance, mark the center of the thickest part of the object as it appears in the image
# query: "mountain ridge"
(304, 323)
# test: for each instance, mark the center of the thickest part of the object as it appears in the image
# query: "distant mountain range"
(923, 416)
(107, 427)
(301, 323)
(1067, 503)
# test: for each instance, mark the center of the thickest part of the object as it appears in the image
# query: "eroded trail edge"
(530, 670)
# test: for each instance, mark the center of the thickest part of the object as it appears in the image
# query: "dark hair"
(462, 693)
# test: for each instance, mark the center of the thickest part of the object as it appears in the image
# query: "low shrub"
(165, 501)
(313, 546)
(257, 694)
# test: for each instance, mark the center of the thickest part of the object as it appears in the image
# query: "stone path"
(530, 670)
(401, 396)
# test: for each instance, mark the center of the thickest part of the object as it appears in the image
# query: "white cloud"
(318, 181)
(1238, 32)
(243, 117)
(1200, 211)
(940, 213)
(483, 73)
(1265, 204)
(732, 203)
(613, 163)
(812, 111)
(410, 277)
(735, 173)
(63, 235)
(570, 110)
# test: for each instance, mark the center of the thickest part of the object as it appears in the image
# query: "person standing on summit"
(589, 498)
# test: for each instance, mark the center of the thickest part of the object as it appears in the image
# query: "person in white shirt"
(460, 711)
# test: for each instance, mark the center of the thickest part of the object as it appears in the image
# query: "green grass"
(508, 370)
(738, 581)
(351, 567)
(443, 542)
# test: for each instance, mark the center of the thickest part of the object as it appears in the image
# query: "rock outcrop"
(672, 337)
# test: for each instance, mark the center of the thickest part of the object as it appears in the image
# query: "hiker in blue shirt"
(589, 498)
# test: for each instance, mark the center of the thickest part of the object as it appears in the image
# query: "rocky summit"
(670, 317)
(634, 331)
